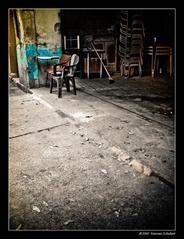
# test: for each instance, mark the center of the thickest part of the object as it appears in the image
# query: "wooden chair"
(150, 51)
(136, 60)
(163, 51)
(136, 54)
(138, 25)
(63, 74)
(155, 54)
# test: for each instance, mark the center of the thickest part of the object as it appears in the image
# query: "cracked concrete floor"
(65, 172)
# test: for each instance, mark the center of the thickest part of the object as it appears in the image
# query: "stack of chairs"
(124, 42)
(137, 45)
(131, 43)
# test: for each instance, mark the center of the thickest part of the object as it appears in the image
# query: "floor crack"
(39, 130)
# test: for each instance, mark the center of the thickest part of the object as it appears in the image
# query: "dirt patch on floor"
(78, 175)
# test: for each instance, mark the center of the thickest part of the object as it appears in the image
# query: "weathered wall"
(37, 32)
(20, 49)
(25, 37)
(12, 46)
(45, 21)
(48, 37)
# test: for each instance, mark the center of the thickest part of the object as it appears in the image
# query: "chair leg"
(140, 70)
(74, 86)
(129, 69)
(67, 82)
(59, 87)
(51, 85)
(47, 78)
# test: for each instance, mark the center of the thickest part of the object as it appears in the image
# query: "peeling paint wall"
(25, 33)
(20, 48)
(38, 34)
(28, 25)
(22, 64)
(31, 53)
(13, 67)
(45, 28)
(48, 38)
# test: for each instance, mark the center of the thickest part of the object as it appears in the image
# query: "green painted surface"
(22, 62)
(31, 53)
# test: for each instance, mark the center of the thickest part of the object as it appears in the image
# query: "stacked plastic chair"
(137, 44)
(131, 43)
(124, 42)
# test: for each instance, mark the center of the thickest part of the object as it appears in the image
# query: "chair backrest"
(73, 63)
(65, 59)
(159, 50)
(163, 50)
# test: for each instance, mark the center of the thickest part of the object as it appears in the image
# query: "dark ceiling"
(158, 23)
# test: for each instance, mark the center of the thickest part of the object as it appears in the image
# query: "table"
(47, 59)
(88, 52)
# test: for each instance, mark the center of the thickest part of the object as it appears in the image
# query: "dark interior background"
(158, 23)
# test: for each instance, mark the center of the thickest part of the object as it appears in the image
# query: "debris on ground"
(137, 165)
(104, 171)
(89, 116)
(67, 222)
(117, 213)
(123, 156)
(46, 204)
(138, 99)
(35, 208)
(135, 214)
(115, 150)
(19, 227)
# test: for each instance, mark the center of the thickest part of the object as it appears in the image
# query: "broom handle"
(101, 60)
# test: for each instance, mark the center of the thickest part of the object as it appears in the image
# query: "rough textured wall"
(27, 65)
(48, 38)
(22, 64)
(46, 28)
(29, 40)
(28, 23)
(12, 46)
(38, 35)
(21, 49)
(31, 54)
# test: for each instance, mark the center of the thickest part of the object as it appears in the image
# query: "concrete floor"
(77, 163)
